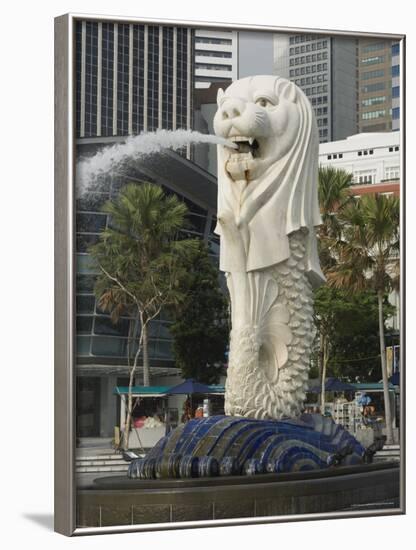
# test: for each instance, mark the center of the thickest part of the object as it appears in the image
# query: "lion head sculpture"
(267, 187)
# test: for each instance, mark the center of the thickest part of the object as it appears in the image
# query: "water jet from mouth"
(138, 146)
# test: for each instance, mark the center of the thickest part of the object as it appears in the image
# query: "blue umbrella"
(332, 384)
(189, 387)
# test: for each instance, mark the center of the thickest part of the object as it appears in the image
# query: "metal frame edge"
(64, 452)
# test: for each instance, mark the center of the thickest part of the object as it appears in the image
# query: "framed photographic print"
(228, 291)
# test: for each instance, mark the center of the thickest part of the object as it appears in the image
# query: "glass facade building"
(132, 78)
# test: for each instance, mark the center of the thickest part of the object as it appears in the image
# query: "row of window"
(300, 38)
(317, 100)
(105, 346)
(335, 156)
(372, 74)
(308, 48)
(374, 101)
(308, 69)
(369, 176)
(209, 40)
(312, 80)
(376, 87)
(103, 325)
(317, 90)
(213, 67)
(373, 47)
(308, 58)
(212, 53)
(373, 60)
(381, 113)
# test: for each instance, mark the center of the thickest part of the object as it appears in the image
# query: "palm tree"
(334, 196)
(143, 264)
(368, 258)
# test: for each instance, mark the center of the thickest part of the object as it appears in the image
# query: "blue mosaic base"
(229, 445)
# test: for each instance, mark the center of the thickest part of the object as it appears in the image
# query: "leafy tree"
(368, 259)
(201, 328)
(143, 266)
(351, 323)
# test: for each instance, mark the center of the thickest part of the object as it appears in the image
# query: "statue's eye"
(264, 102)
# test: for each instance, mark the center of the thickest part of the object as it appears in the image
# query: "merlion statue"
(267, 214)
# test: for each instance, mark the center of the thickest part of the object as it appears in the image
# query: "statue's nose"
(232, 108)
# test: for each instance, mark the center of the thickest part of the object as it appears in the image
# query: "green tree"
(143, 266)
(334, 196)
(351, 321)
(201, 328)
(368, 259)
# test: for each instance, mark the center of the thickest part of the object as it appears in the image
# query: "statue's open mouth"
(246, 145)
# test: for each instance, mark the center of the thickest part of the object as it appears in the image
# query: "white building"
(370, 157)
(374, 161)
(215, 56)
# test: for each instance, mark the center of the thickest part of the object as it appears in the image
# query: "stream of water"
(136, 146)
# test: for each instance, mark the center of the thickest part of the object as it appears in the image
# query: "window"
(373, 74)
(396, 113)
(340, 155)
(364, 176)
(373, 60)
(329, 157)
(212, 53)
(373, 101)
(395, 92)
(376, 87)
(395, 49)
(395, 70)
(373, 47)
(359, 153)
(392, 172)
(206, 40)
(373, 114)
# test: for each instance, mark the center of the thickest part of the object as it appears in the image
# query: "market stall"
(148, 415)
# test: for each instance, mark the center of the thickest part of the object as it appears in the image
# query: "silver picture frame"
(64, 370)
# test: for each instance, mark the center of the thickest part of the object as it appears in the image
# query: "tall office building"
(132, 78)
(215, 56)
(375, 85)
(325, 68)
